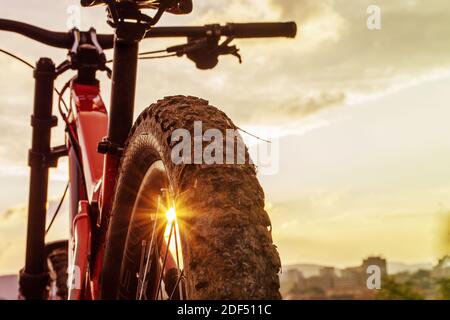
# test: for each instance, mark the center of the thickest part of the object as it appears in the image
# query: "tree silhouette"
(444, 285)
(392, 290)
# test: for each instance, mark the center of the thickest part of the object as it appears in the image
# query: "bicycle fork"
(34, 276)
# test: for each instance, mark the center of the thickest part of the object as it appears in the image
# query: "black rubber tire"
(57, 260)
(230, 254)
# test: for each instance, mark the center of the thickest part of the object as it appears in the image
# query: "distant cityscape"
(305, 282)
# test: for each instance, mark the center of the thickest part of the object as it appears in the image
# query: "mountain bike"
(142, 226)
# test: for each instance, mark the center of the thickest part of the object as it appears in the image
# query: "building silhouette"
(349, 283)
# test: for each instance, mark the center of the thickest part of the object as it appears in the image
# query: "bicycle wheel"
(186, 231)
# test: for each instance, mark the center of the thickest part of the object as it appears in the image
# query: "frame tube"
(123, 90)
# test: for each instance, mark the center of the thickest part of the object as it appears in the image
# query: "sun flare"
(171, 215)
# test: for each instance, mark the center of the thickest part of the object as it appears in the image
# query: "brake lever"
(233, 50)
(205, 51)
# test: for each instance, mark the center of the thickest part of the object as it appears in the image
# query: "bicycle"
(142, 227)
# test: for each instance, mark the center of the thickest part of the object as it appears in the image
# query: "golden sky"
(361, 116)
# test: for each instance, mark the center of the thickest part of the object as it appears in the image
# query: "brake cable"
(58, 208)
(147, 55)
(152, 52)
(17, 58)
(158, 57)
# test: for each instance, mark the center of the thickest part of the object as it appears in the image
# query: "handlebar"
(236, 30)
(62, 40)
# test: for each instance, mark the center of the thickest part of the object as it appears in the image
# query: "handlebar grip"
(262, 30)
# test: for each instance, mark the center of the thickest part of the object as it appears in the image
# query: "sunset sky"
(362, 117)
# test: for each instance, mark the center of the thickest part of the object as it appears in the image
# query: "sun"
(171, 215)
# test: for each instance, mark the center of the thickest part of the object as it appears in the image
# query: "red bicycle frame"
(88, 119)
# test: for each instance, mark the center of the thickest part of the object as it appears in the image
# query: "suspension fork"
(34, 277)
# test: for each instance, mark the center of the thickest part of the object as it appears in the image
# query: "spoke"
(165, 258)
(143, 287)
(178, 266)
(176, 285)
(176, 245)
(155, 259)
(157, 266)
(141, 266)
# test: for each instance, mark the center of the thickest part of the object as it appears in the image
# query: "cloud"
(333, 53)
(13, 222)
(207, 11)
(297, 108)
(12, 239)
(305, 10)
(412, 41)
(11, 213)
